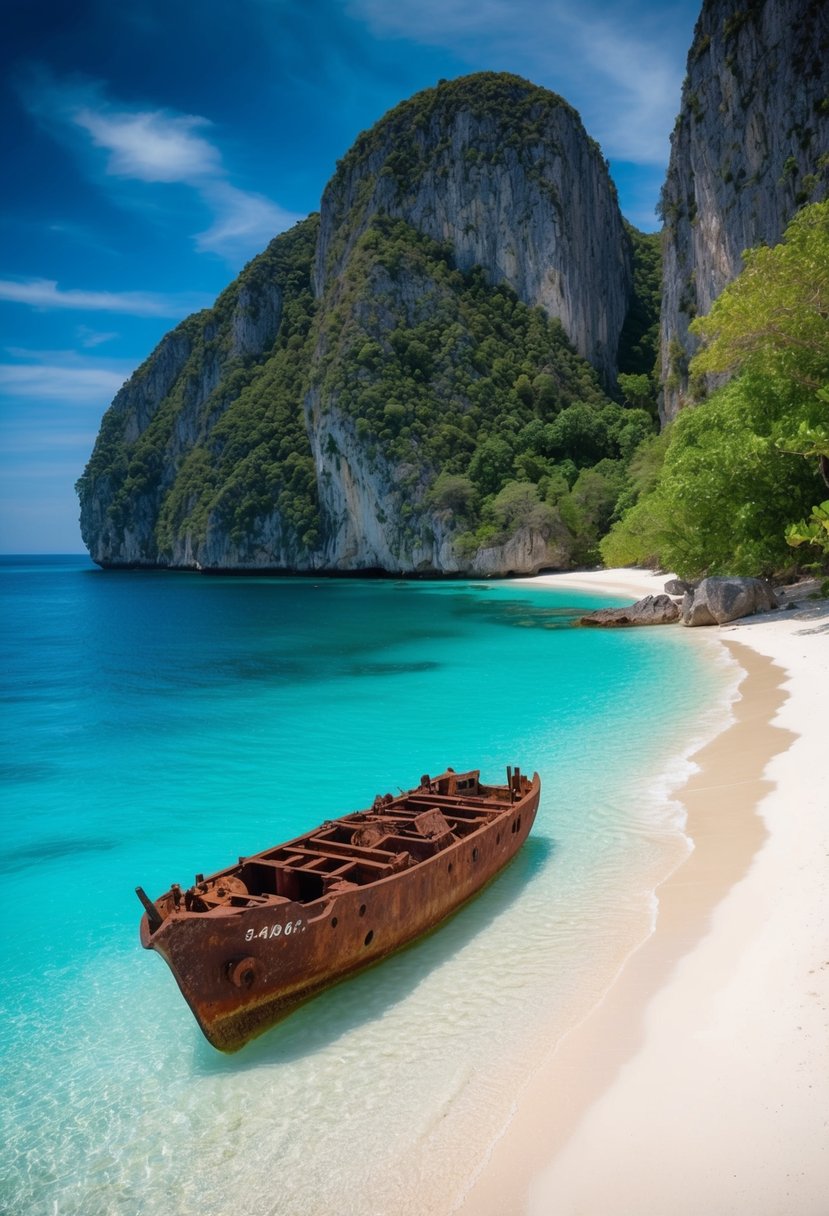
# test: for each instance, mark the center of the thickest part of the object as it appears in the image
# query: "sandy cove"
(700, 1083)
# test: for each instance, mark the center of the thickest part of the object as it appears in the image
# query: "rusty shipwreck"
(251, 942)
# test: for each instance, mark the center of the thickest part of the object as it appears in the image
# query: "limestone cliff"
(750, 146)
(505, 174)
(161, 440)
(410, 382)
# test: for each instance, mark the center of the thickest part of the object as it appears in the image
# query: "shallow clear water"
(158, 725)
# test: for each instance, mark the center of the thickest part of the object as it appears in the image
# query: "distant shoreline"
(700, 1082)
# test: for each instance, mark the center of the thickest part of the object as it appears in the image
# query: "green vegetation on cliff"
(459, 384)
(247, 448)
(518, 105)
(363, 393)
(639, 339)
(739, 472)
(475, 405)
(257, 457)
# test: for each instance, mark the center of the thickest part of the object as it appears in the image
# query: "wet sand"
(700, 1082)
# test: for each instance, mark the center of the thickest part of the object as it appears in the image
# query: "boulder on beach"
(678, 586)
(719, 600)
(652, 610)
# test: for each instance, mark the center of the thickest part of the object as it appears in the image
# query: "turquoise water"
(158, 725)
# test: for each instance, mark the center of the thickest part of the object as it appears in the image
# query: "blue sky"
(152, 148)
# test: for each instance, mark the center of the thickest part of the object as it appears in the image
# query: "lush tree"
(639, 339)
(813, 531)
(642, 473)
(589, 505)
(530, 466)
(580, 433)
(491, 464)
(773, 320)
(726, 491)
(453, 492)
(732, 488)
(547, 392)
(638, 391)
(626, 430)
(518, 505)
(524, 389)
(639, 538)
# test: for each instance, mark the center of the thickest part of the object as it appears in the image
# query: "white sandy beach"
(700, 1083)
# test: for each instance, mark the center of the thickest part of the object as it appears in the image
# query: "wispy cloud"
(151, 145)
(71, 381)
(624, 81)
(243, 220)
(158, 146)
(45, 293)
(90, 338)
(79, 234)
(31, 455)
(641, 77)
(50, 407)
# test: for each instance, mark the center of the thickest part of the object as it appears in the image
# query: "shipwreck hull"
(243, 969)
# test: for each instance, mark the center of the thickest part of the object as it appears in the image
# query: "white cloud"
(66, 382)
(622, 71)
(643, 86)
(243, 220)
(45, 293)
(152, 146)
(80, 234)
(160, 147)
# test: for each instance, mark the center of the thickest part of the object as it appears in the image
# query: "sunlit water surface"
(158, 725)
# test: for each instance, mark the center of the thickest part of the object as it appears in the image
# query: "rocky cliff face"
(504, 173)
(436, 318)
(750, 146)
(165, 412)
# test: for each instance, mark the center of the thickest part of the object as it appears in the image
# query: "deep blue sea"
(157, 724)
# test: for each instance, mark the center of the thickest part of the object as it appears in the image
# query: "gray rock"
(678, 586)
(539, 216)
(652, 610)
(745, 155)
(719, 600)
(128, 537)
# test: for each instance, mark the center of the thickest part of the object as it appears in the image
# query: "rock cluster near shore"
(714, 601)
(652, 610)
(719, 600)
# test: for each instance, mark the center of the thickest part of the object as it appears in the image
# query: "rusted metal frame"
(229, 1022)
(439, 801)
(335, 848)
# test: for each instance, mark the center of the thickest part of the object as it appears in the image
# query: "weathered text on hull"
(251, 942)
